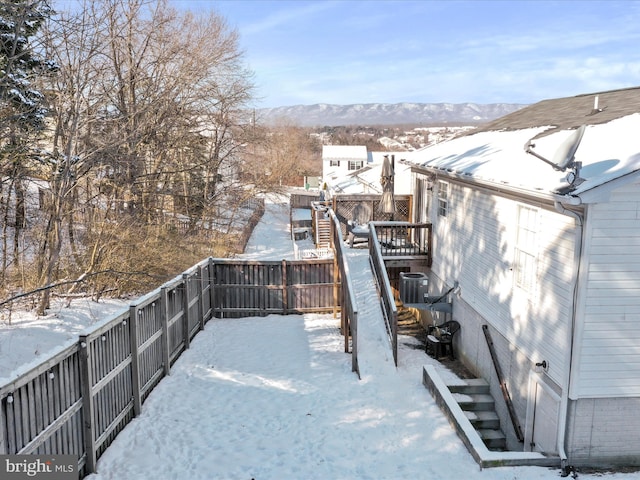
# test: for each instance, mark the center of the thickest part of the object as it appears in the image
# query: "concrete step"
(471, 386)
(475, 401)
(493, 439)
(483, 419)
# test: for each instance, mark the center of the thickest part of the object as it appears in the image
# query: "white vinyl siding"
(476, 247)
(340, 160)
(609, 337)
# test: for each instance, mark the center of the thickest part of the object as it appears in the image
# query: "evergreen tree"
(22, 110)
(21, 104)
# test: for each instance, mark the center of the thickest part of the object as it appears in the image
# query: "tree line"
(129, 123)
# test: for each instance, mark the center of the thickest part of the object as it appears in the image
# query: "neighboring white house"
(340, 160)
(550, 264)
(367, 179)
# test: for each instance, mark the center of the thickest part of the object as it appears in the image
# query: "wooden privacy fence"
(76, 402)
(303, 200)
(257, 288)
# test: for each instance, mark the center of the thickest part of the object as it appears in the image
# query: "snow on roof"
(378, 157)
(367, 180)
(358, 152)
(607, 151)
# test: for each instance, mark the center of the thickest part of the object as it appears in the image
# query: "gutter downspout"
(564, 399)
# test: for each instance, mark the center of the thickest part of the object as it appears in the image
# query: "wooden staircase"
(408, 324)
(475, 400)
(323, 232)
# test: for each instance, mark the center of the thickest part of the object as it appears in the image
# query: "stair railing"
(503, 385)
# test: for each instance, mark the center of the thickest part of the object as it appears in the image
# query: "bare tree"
(148, 120)
(281, 156)
(139, 128)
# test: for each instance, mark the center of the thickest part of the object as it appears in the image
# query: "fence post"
(86, 384)
(135, 361)
(164, 319)
(4, 443)
(200, 298)
(185, 310)
(211, 292)
(285, 299)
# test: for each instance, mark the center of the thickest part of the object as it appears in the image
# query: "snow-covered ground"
(275, 398)
(26, 340)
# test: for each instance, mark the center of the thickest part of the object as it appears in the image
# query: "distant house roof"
(495, 153)
(344, 152)
(367, 180)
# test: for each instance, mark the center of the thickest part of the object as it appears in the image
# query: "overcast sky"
(345, 52)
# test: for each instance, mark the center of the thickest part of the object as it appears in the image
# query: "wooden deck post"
(336, 268)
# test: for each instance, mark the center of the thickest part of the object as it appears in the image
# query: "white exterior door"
(541, 432)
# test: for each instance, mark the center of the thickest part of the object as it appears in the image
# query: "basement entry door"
(542, 424)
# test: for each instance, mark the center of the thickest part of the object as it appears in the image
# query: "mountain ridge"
(326, 114)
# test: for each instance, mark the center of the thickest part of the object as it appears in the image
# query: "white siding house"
(340, 160)
(551, 268)
(367, 179)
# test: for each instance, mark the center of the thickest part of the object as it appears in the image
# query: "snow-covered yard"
(274, 398)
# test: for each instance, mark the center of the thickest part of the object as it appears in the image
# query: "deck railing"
(383, 286)
(76, 402)
(345, 295)
(403, 239)
(395, 241)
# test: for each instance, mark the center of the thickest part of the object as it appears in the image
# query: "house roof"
(495, 153)
(344, 152)
(570, 112)
(367, 180)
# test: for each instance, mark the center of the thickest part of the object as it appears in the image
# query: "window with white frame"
(443, 198)
(355, 164)
(525, 263)
(334, 163)
(422, 196)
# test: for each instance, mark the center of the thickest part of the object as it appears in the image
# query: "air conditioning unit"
(413, 287)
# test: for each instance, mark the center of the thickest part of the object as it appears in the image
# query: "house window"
(423, 191)
(443, 199)
(355, 164)
(334, 163)
(526, 242)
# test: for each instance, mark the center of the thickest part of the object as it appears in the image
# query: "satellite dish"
(565, 153)
(564, 156)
